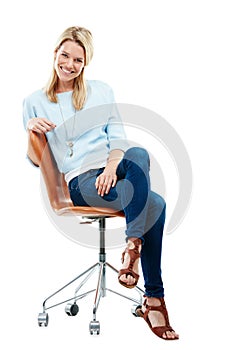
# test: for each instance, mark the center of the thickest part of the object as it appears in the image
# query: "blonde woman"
(88, 141)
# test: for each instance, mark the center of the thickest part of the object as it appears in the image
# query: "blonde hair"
(82, 37)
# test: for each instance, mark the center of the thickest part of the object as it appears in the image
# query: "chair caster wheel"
(134, 310)
(94, 328)
(72, 309)
(43, 319)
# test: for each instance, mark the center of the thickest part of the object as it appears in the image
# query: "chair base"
(100, 291)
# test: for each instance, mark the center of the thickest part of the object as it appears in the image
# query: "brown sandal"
(134, 255)
(160, 330)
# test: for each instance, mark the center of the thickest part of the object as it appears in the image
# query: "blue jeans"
(144, 209)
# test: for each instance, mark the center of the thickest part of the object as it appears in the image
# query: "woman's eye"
(64, 55)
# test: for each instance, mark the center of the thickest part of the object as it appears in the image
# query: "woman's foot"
(128, 275)
(155, 314)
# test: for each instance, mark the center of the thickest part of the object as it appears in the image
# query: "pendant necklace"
(68, 141)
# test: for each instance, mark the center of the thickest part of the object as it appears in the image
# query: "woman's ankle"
(153, 301)
(133, 242)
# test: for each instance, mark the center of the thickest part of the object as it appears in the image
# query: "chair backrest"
(40, 154)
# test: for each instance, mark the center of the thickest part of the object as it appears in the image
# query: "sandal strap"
(128, 272)
(133, 255)
(133, 252)
(160, 308)
(160, 330)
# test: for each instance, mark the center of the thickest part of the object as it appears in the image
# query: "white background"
(173, 57)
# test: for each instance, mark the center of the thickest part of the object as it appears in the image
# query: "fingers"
(104, 183)
(40, 125)
(47, 124)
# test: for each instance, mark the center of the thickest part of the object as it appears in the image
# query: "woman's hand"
(107, 179)
(40, 125)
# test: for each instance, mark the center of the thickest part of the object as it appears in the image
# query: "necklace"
(68, 141)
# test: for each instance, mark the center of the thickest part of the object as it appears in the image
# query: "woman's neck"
(61, 87)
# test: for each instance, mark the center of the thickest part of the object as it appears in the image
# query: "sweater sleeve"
(115, 128)
(28, 111)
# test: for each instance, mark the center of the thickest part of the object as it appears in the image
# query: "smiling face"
(68, 64)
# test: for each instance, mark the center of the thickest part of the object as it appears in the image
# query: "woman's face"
(69, 61)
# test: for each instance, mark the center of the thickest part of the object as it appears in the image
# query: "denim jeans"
(144, 209)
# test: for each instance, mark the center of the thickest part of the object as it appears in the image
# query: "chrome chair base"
(100, 291)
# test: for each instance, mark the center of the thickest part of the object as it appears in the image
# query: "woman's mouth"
(66, 71)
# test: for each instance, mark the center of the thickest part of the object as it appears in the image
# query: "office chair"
(41, 156)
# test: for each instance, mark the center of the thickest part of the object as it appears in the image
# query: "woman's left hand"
(107, 179)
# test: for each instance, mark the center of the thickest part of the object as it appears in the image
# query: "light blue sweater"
(95, 130)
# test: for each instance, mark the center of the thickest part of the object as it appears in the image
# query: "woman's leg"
(133, 187)
(152, 246)
(132, 194)
(154, 307)
(145, 216)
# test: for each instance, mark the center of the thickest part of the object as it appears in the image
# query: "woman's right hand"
(40, 125)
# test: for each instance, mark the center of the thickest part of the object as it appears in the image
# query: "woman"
(87, 138)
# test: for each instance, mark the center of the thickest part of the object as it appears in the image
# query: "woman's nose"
(69, 63)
